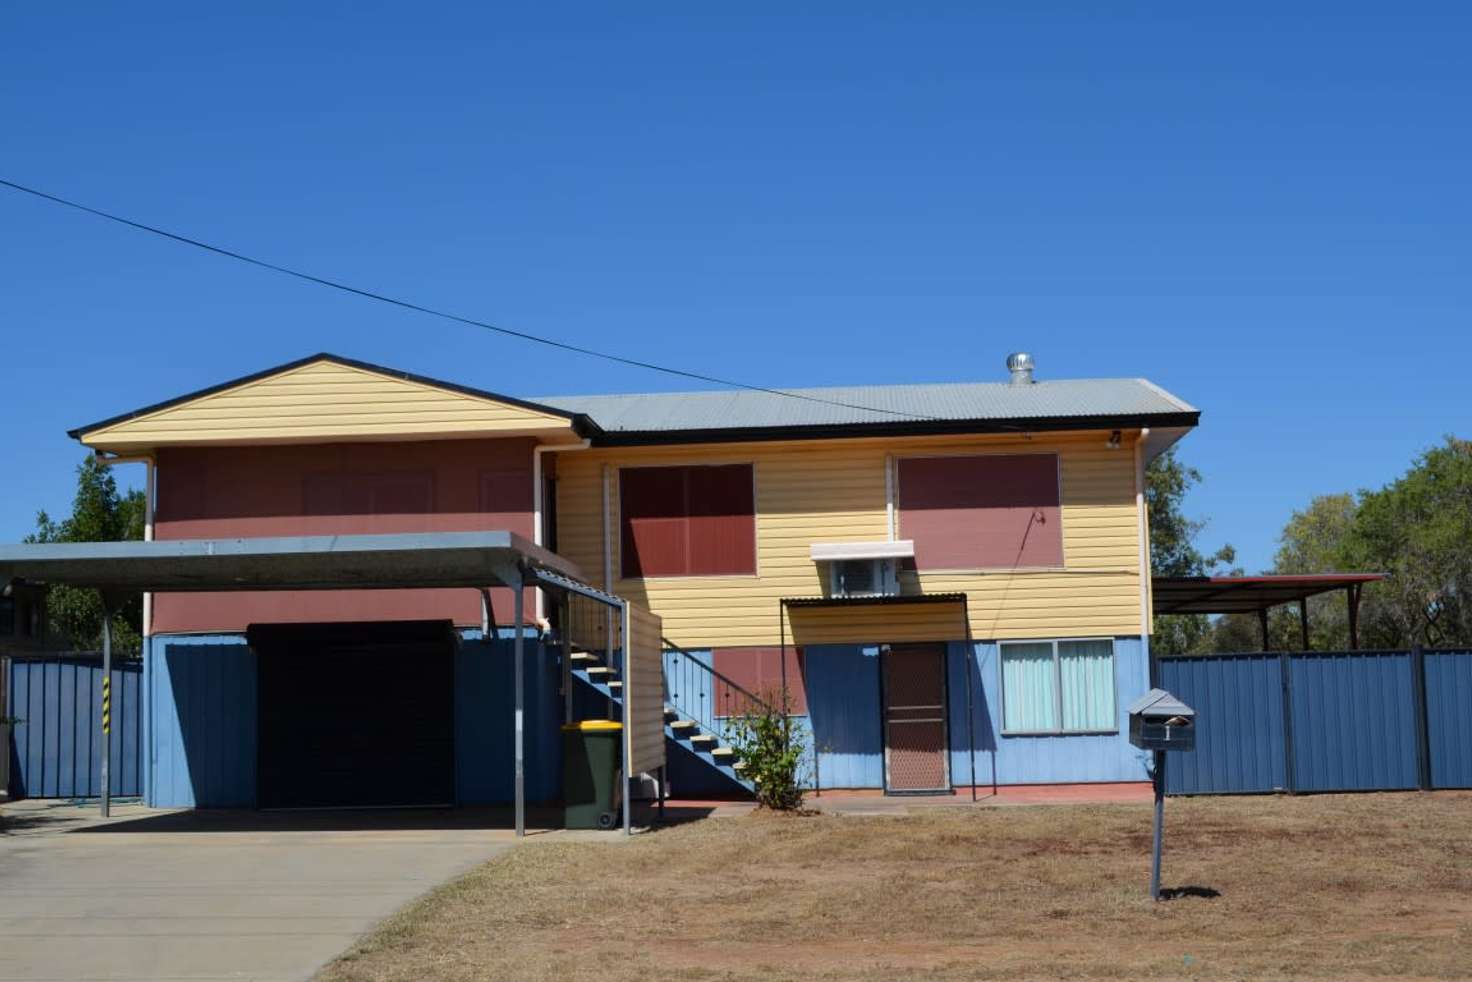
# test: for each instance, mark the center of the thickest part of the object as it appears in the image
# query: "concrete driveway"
(214, 895)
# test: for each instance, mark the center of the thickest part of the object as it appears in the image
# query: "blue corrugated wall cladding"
(1239, 733)
(1058, 759)
(1353, 720)
(56, 748)
(843, 714)
(484, 736)
(202, 722)
(1449, 717)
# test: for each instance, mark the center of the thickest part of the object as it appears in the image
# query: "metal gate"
(914, 706)
(56, 743)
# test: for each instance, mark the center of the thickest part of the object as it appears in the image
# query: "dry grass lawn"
(1341, 886)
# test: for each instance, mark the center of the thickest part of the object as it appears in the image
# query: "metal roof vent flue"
(1019, 366)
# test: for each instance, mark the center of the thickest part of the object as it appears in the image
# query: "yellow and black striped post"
(107, 609)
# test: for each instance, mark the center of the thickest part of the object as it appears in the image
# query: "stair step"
(614, 684)
(585, 658)
(600, 671)
(740, 765)
(706, 738)
(684, 724)
(723, 752)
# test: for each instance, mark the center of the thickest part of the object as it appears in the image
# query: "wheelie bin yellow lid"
(594, 724)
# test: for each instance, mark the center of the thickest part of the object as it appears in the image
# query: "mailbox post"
(1160, 722)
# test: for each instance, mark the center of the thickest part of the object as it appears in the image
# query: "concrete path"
(214, 895)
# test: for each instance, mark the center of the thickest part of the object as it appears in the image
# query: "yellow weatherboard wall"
(321, 401)
(834, 491)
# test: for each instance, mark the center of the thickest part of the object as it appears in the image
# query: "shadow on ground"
(538, 820)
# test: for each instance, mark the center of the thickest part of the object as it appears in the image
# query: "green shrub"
(772, 748)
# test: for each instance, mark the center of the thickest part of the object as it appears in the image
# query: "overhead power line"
(431, 311)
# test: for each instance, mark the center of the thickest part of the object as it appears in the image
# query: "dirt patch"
(1339, 886)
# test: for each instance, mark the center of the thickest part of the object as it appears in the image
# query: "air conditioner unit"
(876, 577)
(862, 569)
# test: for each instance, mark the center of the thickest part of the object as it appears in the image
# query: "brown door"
(915, 756)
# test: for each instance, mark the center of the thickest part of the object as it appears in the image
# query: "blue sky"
(1265, 210)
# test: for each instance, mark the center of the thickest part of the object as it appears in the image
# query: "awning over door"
(873, 620)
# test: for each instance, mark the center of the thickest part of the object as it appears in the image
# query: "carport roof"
(1244, 594)
(322, 562)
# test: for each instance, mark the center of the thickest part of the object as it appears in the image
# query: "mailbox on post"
(1160, 722)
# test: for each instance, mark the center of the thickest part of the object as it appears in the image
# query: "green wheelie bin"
(591, 761)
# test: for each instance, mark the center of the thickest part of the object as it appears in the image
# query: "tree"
(99, 514)
(1173, 549)
(1173, 535)
(1417, 529)
(1314, 541)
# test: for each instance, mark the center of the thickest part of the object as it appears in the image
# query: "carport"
(1259, 594)
(472, 560)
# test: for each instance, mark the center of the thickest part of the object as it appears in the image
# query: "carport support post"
(106, 704)
(1353, 596)
(518, 673)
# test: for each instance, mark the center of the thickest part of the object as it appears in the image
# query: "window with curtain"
(1058, 686)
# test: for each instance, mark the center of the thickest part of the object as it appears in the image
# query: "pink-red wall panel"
(338, 489)
(759, 671)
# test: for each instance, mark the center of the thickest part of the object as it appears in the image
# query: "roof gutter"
(538, 506)
(1143, 523)
(938, 427)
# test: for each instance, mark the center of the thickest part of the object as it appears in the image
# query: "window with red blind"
(688, 521)
(991, 511)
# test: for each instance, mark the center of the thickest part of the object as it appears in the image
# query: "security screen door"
(915, 756)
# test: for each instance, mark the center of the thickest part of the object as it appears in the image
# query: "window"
(687, 521)
(987, 511)
(1058, 686)
(7, 616)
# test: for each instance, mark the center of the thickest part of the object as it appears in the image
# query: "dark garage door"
(355, 715)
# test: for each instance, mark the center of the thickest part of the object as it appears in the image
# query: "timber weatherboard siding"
(835, 491)
(324, 401)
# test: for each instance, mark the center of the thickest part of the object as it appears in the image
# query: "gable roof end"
(131, 427)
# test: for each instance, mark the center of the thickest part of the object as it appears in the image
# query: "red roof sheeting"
(1243, 594)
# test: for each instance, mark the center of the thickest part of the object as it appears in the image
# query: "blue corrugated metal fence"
(56, 747)
(1324, 721)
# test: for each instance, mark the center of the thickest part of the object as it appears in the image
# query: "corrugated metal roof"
(311, 562)
(953, 402)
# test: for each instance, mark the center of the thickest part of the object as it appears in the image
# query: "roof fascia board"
(939, 427)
